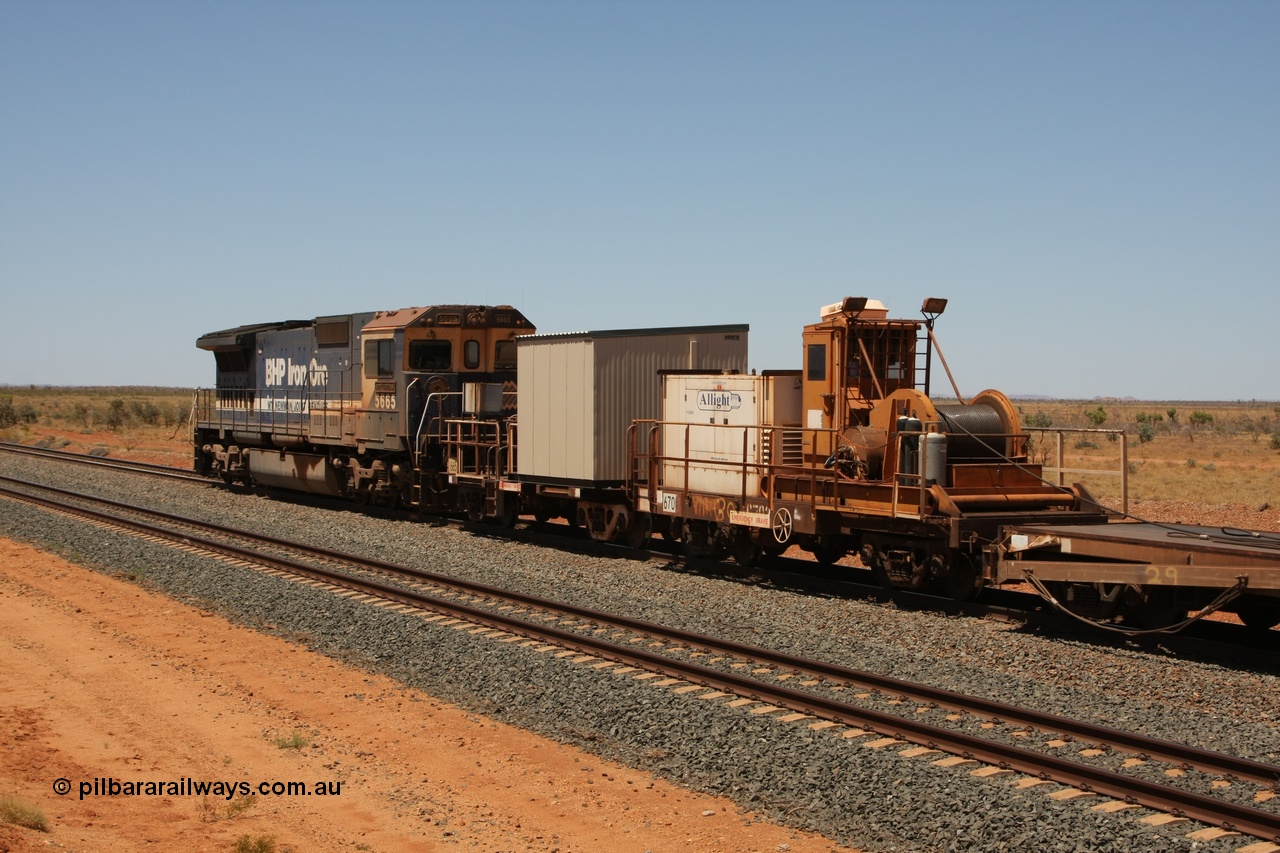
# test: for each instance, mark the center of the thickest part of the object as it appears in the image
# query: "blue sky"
(1094, 186)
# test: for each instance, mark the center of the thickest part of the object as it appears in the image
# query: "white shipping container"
(578, 394)
(720, 431)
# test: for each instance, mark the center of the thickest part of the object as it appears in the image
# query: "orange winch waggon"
(849, 454)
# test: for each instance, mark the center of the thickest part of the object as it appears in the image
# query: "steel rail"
(103, 462)
(903, 597)
(1130, 742)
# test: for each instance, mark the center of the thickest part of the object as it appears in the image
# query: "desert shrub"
(1086, 444)
(8, 415)
(261, 844)
(1256, 427)
(1199, 418)
(1146, 432)
(297, 740)
(146, 412)
(1038, 420)
(19, 813)
(82, 413)
(1275, 441)
(1097, 417)
(117, 414)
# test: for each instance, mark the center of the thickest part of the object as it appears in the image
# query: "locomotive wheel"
(876, 560)
(639, 530)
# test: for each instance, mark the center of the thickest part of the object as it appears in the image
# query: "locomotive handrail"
(268, 410)
(426, 406)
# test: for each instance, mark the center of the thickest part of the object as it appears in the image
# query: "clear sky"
(1094, 185)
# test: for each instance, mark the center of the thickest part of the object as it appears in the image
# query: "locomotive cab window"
(504, 355)
(379, 358)
(430, 355)
(817, 356)
(471, 354)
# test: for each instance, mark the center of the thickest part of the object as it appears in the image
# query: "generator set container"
(580, 392)
(719, 431)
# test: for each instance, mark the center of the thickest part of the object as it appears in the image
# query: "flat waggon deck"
(1141, 553)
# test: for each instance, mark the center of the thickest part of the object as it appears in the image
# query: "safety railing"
(1056, 451)
(473, 447)
(317, 414)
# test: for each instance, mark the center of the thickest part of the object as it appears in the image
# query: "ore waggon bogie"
(632, 432)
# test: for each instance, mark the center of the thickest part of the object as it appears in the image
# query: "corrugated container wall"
(578, 394)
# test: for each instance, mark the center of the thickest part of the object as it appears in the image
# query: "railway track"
(786, 572)
(104, 462)
(709, 666)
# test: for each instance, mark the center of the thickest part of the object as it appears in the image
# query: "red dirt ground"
(105, 680)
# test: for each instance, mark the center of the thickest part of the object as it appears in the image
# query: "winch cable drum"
(966, 428)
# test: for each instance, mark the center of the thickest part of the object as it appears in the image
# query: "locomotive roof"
(229, 339)
(448, 315)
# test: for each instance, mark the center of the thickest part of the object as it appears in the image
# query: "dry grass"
(148, 424)
(1211, 453)
(20, 813)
